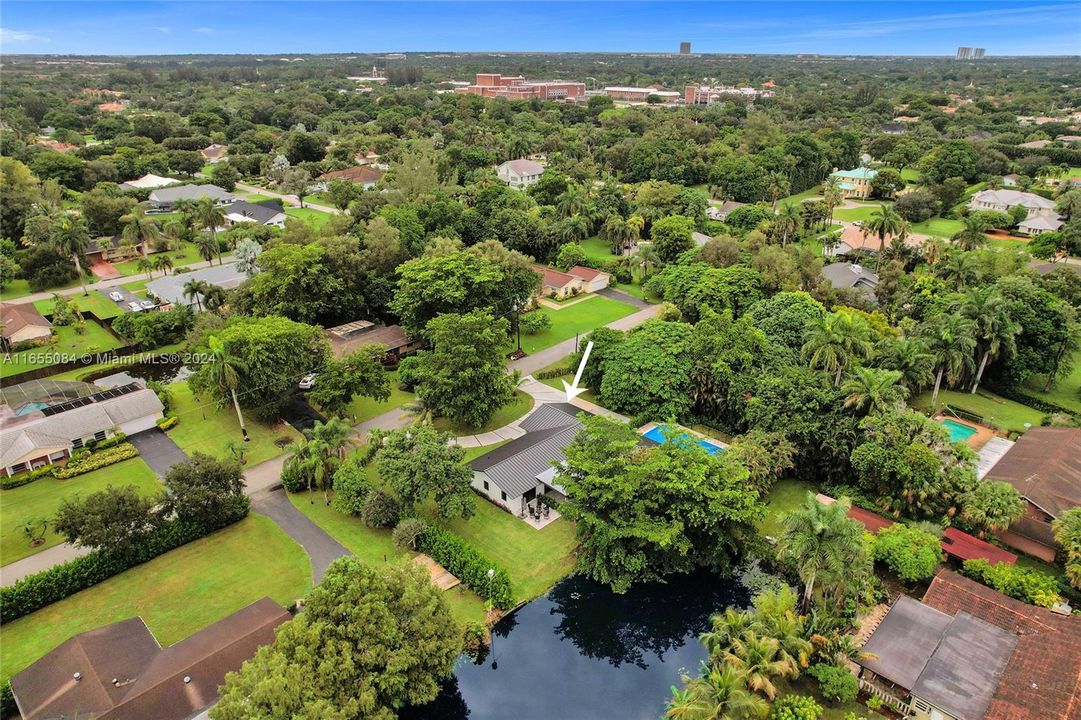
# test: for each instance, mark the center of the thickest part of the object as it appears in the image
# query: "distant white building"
(162, 200)
(520, 173)
(1041, 211)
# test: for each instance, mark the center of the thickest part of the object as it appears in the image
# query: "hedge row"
(1012, 393)
(60, 581)
(1028, 586)
(167, 423)
(80, 465)
(553, 373)
(467, 564)
(1054, 154)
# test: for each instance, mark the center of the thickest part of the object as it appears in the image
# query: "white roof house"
(169, 290)
(150, 181)
(1037, 223)
(520, 173)
(1004, 199)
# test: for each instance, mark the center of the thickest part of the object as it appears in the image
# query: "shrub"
(351, 486)
(570, 255)
(293, 477)
(93, 461)
(26, 478)
(553, 373)
(1025, 585)
(535, 322)
(796, 707)
(168, 423)
(467, 564)
(380, 509)
(911, 553)
(408, 532)
(61, 581)
(836, 684)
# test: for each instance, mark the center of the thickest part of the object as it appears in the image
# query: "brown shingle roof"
(150, 681)
(1045, 467)
(1042, 680)
(393, 336)
(16, 316)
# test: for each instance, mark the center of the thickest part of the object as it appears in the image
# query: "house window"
(77, 443)
(99, 435)
(18, 468)
(485, 484)
(503, 496)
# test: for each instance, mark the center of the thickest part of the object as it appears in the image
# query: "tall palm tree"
(908, 356)
(210, 216)
(778, 185)
(720, 693)
(194, 289)
(618, 232)
(208, 248)
(172, 235)
(571, 201)
(869, 391)
(836, 342)
(950, 341)
(971, 236)
(960, 268)
(648, 260)
(164, 263)
(884, 222)
(825, 544)
(759, 657)
(832, 196)
(226, 371)
(328, 441)
(789, 221)
(574, 229)
(726, 627)
(994, 328)
(146, 266)
(214, 297)
(138, 228)
(69, 236)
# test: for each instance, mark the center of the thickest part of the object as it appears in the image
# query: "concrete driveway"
(158, 450)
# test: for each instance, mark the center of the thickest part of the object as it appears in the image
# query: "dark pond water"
(168, 370)
(582, 652)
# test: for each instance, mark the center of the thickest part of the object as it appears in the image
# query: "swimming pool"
(958, 431)
(656, 434)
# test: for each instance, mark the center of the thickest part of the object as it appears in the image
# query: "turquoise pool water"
(656, 434)
(958, 431)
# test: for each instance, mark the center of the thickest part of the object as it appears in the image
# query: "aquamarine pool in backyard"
(656, 434)
(958, 431)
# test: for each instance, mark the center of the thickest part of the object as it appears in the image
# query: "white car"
(147, 304)
(135, 307)
(116, 296)
(307, 381)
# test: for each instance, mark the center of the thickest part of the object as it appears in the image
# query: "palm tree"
(759, 657)
(777, 185)
(226, 371)
(146, 266)
(951, 343)
(172, 235)
(574, 229)
(832, 195)
(328, 441)
(194, 289)
(210, 216)
(720, 693)
(138, 228)
(884, 222)
(571, 201)
(825, 544)
(995, 329)
(419, 412)
(869, 391)
(789, 221)
(69, 236)
(971, 235)
(164, 263)
(214, 297)
(908, 356)
(726, 628)
(961, 268)
(618, 232)
(836, 342)
(208, 248)
(648, 260)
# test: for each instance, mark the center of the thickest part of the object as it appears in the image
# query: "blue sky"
(868, 27)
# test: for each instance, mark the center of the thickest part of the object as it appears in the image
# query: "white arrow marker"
(573, 390)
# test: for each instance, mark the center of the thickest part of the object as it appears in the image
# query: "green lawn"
(1002, 412)
(186, 254)
(14, 289)
(799, 198)
(580, 319)
(785, 496)
(176, 594)
(314, 218)
(860, 214)
(206, 428)
(95, 303)
(365, 408)
(374, 546)
(590, 395)
(910, 175)
(136, 286)
(1066, 392)
(938, 227)
(256, 198)
(519, 405)
(1000, 243)
(598, 249)
(66, 342)
(41, 498)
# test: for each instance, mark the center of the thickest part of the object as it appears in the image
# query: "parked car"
(147, 304)
(307, 381)
(135, 307)
(116, 296)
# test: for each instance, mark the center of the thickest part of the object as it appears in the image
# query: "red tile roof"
(554, 278)
(1042, 680)
(354, 175)
(870, 520)
(585, 273)
(966, 547)
(16, 316)
(1045, 467)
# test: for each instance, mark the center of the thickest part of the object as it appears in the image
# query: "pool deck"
(976, 441)
(690, 433)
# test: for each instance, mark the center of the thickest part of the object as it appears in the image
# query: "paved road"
(105, 285)
(291, 199)
(158, 450)
(321, 547)
(10, 574)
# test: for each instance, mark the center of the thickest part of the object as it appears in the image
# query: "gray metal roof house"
(169, 290)
(163, 199)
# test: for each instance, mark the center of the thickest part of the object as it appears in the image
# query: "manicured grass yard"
(176, 594)
(187, 254)
(910, 175)
(798, 198)
(597, 248)
(1005, 413)
(580, 318)
(938, 227)
(365, 408)
(860, 214)
(519, 405)
(41, 498)
(206, 428)
(785, 497)
(589, 395)
(313, 217)
(1066, 392)
(256, 198)
(67, 342)
(95, 303)
(14, 289)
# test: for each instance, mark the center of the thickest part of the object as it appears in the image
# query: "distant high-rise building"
(978, 53)
(964, 53)
(684, 48)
